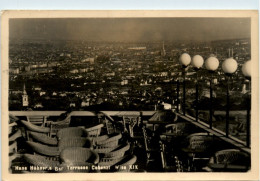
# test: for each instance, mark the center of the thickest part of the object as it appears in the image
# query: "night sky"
(131, 29)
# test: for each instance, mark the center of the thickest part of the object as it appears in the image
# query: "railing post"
(140, 121)
(197, 97)
(211, 65)
(248, 122)
(184, 92)
(248, 130)
(210, 107)
(185, 60)
(227, 108)
(178, 92)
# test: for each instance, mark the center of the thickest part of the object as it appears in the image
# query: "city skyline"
(131, 29)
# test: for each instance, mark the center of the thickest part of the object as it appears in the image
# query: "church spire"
(25, 100)
(163, 50)
(24, 90)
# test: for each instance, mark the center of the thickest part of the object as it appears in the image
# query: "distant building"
(206, 93)
(83, 70)
(14, 70)
(163, 74)
(137, 48)
(52, 64)
(163, 52)
(90, 60)
(34, 66)
(44, 65)
(167, 106)
(74, 71)
(25, 100)
(84, 104)
(124, 82)
(27, 68)
(37, 88)
(38, 105)
(63, 94)
(110, 74)
(244, 90)
(72, 104)
(215, 81)
(42, 93)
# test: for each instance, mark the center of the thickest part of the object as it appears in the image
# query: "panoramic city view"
(165, 81)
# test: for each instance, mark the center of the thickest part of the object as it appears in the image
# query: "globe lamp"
(185, 59)
(246, 68)
(197, 61)
(229, 66)
(212, 64)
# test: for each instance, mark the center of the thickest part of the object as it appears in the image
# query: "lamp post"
(178, 91)
(211, 65)
(229, 66)
(246, 70)
(197, 62)
(185, 60)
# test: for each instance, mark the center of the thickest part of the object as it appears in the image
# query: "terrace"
(181, 139)
(157, 139)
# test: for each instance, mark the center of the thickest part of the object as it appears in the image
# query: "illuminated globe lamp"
(246, 69)
(197, 62)
(229, 66)
(211, 65)
(185, 60)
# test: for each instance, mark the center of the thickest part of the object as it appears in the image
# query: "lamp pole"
(197, 96)
(211, 102)
(184, 91)
(211, 65)
(246, 70)
(178, 90)
(229, 66)
(227, 107)
(185, 60)
(248, 130)
(197, 62)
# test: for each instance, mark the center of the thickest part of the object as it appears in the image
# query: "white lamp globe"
(246, 68)
(197, 61)
(212, 63)
(185, 59)
(229, 66)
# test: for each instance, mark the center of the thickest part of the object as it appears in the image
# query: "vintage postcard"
(130, 95)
